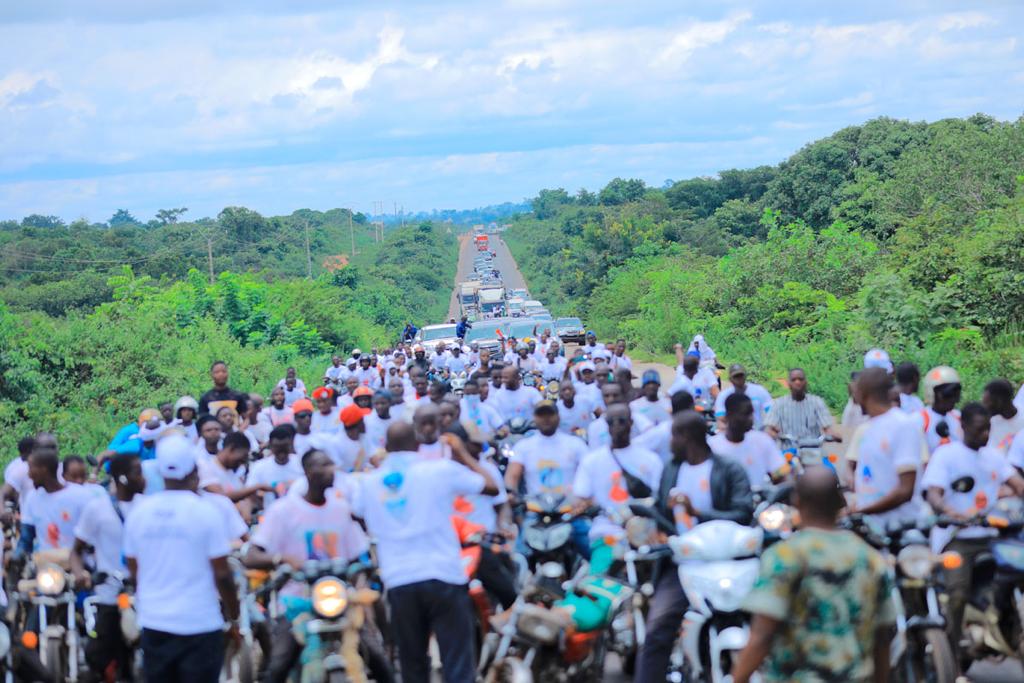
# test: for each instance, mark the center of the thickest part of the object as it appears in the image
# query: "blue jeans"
(580, 536)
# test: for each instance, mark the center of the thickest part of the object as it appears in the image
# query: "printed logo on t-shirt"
(321, 545)
(53, 534)
(552, 479)
(618, 492)
(392, 496)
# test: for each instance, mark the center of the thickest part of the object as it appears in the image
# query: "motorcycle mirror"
(963, 484)
(91, 459)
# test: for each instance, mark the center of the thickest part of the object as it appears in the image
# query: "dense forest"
(100, 320)
(908, 236)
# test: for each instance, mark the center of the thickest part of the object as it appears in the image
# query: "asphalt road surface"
(1009, 671)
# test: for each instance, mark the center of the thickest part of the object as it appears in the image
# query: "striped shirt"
(801, 419)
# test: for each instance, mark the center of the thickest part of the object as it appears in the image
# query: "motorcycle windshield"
(717, 540)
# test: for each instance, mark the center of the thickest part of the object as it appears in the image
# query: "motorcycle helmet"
(936, 377)
(186, 402)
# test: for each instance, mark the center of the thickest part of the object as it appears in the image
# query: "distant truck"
(492, 300)
(515, 307)
(468, 299)
(481, 243)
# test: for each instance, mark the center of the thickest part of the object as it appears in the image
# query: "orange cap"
(303, 405)
(352, 414)
(362, 391)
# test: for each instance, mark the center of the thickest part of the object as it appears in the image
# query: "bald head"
(401, 437)
(689, 425)
(817, 494)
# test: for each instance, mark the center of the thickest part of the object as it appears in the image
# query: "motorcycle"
(131, 632)
(327, 624)
(458, 382)
(800, 453)
(539, 640)
(50, 594)
(717, 563)
(518, 429)
(705, 406)
(993, 623)
(547, 531)
(240, 660)
(920, 650)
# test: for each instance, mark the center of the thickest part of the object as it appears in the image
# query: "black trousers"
(444, 609)
(170, 658)
(108, 645)
(497, 574)
(286, 650)
(664, 617)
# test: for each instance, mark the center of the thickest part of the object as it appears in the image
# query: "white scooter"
(718, 564)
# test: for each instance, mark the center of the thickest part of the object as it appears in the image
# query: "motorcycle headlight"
(547, 538)
(50, 579)
(724, 590)
(330, 597)
(916, 561)
(776, 518)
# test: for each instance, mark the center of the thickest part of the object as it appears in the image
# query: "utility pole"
(351, 232)
(309, 258)
(209, 254)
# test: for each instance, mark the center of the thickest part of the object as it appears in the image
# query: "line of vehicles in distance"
(491, 308)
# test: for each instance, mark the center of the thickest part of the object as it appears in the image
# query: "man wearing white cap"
(176, 549)
(587, 390)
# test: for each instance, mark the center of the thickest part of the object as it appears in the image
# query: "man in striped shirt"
(800, 415)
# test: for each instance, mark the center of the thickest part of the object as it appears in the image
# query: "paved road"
(1009, 671)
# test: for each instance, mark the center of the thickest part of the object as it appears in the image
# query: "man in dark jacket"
(696, 486)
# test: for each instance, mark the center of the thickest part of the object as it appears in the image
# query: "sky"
(110, 104)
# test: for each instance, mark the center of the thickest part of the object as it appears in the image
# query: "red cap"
(303, 405)
(323, 392)
(352, 414)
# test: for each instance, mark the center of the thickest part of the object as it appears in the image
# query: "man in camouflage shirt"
(821, 605)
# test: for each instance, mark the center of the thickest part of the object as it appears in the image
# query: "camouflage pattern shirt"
(831, 591)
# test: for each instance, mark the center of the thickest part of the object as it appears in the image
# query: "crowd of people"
(374, 461)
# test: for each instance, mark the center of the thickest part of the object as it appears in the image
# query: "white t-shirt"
(888, 445)
(271, 473)
(1003, 431)
(590, 394)
(928, 422)
(658, 439)
(528, 364)
(173, 535)
(377, 429)
(341, 449)
(293, 395)
(513, 404)
(299, 530)
(234, 526)
(599, 478)
(549, 462)
(656, 411)
(279, 416)
(407, 505)
(212, 472)
(758, 395)
(368, 377)
(326, 423)
(439, 361)
(54, 515)
(483, 415)
(455, 365)
(702, 382)
(102, 528)
(989, 469)
(16, 474)
(578, 417)
(552, 370)
(478, 508)
(758, 453)
(598, 435)
(622, 362)
(1015, 455)
(909, 403)
(1018, 400)
(695, 482)
(345, 488)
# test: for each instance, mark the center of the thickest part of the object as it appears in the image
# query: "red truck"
(481, 243)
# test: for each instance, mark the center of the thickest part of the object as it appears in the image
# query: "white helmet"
(943, 374)
(186, 402)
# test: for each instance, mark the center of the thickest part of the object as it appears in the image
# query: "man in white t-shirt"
(473, 410)
(295, 530)
(176, 548)
(407, 504)
(760, 397)
(886, 457)
(367, 375)
(378, 420)
(457, 362)
(587, 389)
(574, 416)
(755, 451)
(1007, 421)
(17, 484)
(336, 374)
(513, 400)
(100, 533)
(325, 418)
(699, 382)
(279, 471)
(599, 434)
(650, 404)
(988, 469)
(619, 359)
(940, 420)
(224, 474)
(552, 367)
(50, 512)
(600, 479)
(293, 387)
(659, 438)
(908, 380)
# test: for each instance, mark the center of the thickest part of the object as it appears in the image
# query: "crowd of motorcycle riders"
(521, 515)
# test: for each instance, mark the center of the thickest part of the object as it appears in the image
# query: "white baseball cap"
(587, 365)
(877, 358)
(175, 458)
